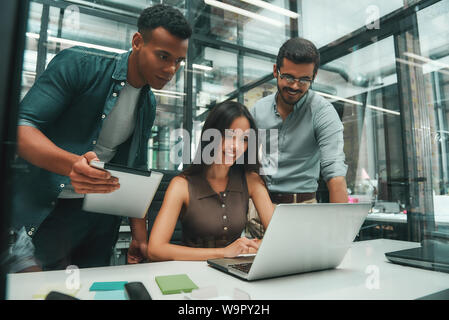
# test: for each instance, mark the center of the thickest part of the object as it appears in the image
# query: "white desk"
(440, 220)
(348, 281)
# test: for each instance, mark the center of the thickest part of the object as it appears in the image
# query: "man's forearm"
(138, 229)
(37, 149)
(338, 192)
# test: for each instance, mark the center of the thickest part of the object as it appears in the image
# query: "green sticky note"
(108, 286)
(175, 284)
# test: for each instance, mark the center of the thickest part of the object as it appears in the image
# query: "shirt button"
(225, 228)
(122, 84)
(224, 194)
(114, 94)
(223, 205)
(62, 185)
(94, 142)
(32, 229)
(225, 217)
(30, 233)
(103, 116)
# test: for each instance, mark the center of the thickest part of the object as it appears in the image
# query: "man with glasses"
(309, 130)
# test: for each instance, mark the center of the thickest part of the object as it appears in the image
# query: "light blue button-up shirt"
(309, 141)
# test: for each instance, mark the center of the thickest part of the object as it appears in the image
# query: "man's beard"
(292, 103)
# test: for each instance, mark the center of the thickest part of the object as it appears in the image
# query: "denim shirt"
(69, 103)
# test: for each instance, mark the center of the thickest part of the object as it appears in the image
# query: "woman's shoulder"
(252, 176)
(184, 181)
(254, 181)
(180, 180)
(179, 184)
(189, 178)
(179, 188)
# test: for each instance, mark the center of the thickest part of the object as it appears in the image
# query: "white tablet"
(132, 199)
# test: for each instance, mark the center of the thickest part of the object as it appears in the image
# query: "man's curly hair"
(299, 50)
(169, 18)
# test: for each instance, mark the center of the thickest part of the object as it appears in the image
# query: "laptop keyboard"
(244, 267)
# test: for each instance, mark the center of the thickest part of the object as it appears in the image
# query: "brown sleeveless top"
(215, 220)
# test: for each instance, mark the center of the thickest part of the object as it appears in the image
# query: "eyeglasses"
(290, 80)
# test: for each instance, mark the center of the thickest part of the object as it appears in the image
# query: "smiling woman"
(231, 120)
(211, 199)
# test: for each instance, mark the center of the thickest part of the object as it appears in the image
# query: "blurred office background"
(385, 68)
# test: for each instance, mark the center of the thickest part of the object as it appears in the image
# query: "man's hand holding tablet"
(88, 179)
(98, 180)
(133, 197)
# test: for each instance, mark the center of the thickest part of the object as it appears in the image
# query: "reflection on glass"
(169, 117)
(363, 88)
(30, 54)
(433, 24)
(213, 85)
(255, 68)
(253, 95)
(324, 26)
(244, 23)
(256, 33)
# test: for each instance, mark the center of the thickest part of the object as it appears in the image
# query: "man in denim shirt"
(89, 104)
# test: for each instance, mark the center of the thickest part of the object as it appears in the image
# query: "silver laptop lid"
(307, 237)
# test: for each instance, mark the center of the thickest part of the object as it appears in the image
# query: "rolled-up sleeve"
(53, 91)
(329, 134)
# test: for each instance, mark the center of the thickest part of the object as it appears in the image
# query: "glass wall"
(389, 89)
(244, 23)
(363, 87)
(385, 69)
(432, 59)
(324, 26)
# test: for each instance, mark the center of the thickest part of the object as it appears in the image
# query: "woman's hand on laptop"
(87, 179)
(258, 242)
(241, 246)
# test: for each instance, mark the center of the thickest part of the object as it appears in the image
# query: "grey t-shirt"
(119, 125)
(116, 129)
(309, 140)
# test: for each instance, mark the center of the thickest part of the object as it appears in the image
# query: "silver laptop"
(300, 238)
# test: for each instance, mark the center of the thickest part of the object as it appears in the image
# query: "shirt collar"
(296, 107)
(121, 66)
(121, 69)
(205, 190)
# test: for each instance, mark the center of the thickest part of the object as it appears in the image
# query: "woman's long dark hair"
(221, 118)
